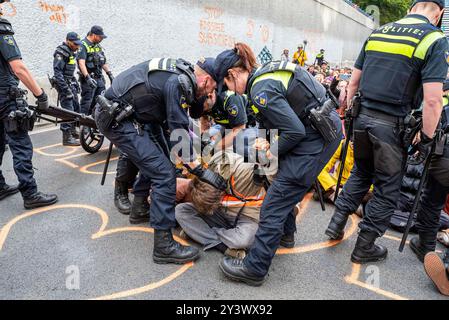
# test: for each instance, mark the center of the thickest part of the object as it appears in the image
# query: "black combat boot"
(38, 200)
(423, 244)
(140, 211)
(167, 250)
(236, 270)
(75, 133)
(288, 241)
(6, 191)
(121, 199)
(336, 228)
(68, 140)
(366, 250)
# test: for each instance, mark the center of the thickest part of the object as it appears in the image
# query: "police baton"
(106, 165)
(417, 199)
(320, 195)
(349, 117)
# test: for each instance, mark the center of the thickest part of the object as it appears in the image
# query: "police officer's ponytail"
(247, 60)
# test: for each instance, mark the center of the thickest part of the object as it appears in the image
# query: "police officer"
(127, 177)
(396, 61)
(229, 110)
(320, 59)
(160, 92)
(64, 66)
(435, 193)
(16, 119)
(283, 96)
(92, 62)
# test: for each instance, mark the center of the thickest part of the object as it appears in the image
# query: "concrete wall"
(142, 29)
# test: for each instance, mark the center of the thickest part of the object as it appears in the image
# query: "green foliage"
(390, 10)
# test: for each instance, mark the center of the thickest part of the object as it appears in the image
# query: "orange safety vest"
(238, 200)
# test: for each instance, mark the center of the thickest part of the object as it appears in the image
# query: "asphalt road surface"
(82, 248)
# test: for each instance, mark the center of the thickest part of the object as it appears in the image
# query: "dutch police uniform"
(12, 100)
(282, 95)
(94, 55)
(396, 60)
(64, 66)
(230, 110)
(19, 142)
(160, 92)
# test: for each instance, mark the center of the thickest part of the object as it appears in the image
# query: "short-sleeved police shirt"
(434, 69)
(9, 51)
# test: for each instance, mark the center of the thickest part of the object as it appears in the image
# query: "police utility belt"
(117, 112)
(22, 118)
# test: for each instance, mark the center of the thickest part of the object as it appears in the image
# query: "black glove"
(42, 101)
(209, 177)
(91, 82)
(111, 76)
(423, 150)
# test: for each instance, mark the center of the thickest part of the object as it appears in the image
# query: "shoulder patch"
(261, 100)
(447, 56)
(9, 40)
(183, 102)
(233, 110)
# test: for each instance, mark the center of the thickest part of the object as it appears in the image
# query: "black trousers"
(380, 160)
(21, 149)
(434, 196)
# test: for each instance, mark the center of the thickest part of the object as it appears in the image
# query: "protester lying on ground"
(227, 221)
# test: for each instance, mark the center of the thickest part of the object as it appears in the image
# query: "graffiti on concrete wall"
(8, 9)
(57, 13)
(213, 29)
(262, 31)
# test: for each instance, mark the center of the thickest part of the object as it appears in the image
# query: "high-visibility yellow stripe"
(281, 75)
(426, 43)
(222, 121)
(392, 48)
(255, 109)
(445, 101)
(393, 37)
(411, 21)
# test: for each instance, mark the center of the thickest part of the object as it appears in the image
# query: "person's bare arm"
(23, 73)
(353, 86)
(106, 68)
(433, 106)
(82, 67)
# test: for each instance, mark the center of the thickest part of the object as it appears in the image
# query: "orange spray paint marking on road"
(102, 232)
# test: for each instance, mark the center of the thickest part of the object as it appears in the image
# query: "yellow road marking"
(321, 245)
(354, 279)
(86, 170)
(102, 232)
(42, 152)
